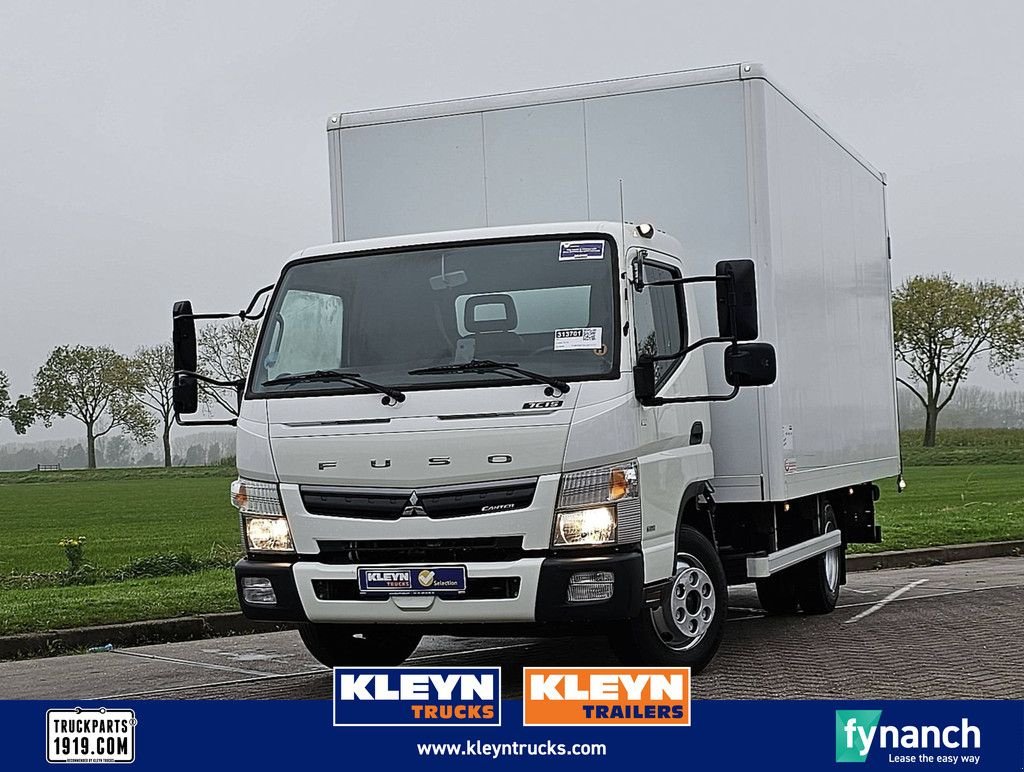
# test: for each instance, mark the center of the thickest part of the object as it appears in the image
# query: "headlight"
(267, 534)
(598, 506)
(264, 526)
(585, 527)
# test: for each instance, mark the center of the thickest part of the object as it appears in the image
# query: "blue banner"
(784, 735)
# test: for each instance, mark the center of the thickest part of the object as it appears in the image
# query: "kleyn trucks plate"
(410, 581)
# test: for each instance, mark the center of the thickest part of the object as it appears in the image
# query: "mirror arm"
(688, 349)
(212, 422)
(245, 314)
(238, 385)
(656, 401)
(687, 280)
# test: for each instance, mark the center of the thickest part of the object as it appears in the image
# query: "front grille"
(493, 588)
(378, 552)
(436, 503)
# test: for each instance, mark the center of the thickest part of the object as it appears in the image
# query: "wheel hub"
(832, 562)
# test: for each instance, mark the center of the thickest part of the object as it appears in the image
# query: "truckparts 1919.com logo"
(606, 696)
(417, 696)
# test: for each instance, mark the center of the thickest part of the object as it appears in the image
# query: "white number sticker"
(578, 338)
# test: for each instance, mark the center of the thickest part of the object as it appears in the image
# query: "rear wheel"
(686, 628)
(778, 593)
(818, 586)
(338, 645)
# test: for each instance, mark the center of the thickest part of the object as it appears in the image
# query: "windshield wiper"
(337, 375)
(487, 365)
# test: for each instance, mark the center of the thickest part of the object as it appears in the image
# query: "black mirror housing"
(750, 364)
(742, 324)
(183, 337)
(185, 391)
(185, 394)
(644, 380)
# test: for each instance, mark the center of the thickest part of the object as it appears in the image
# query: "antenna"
(622, 213)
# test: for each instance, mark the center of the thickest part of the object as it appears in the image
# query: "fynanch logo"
(859, 731)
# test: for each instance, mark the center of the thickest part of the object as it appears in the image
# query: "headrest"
(500, 314)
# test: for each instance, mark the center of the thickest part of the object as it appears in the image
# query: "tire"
(818, 585)
(697, 597)
(779, 594)
(339, 645)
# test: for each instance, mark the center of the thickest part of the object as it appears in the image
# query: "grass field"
(53, 608)
(124, 514)
(959, 447)
(968, 488)
(951, 505)
(120, 518)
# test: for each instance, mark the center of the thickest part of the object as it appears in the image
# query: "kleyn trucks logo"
(858, 732)
(417, 696)
(606, 696)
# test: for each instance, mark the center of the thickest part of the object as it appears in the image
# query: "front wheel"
(340, 645)
(686, 628)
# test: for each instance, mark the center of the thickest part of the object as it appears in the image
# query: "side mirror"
(737, 300)
(643, 379)
(750, 364)
(185, 390)
(637, 267)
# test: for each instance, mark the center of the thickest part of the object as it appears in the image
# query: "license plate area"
(417, 580)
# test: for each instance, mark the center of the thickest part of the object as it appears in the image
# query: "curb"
(25, 645)
(933, 556)
(76, 639)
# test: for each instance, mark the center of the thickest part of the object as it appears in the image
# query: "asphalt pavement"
(940, 632)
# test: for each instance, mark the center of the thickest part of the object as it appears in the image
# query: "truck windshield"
(547, 306)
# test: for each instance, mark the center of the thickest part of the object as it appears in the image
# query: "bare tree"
(942, 326)
(153, 366)
(225, 351)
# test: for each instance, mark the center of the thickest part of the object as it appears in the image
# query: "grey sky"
(154, 151)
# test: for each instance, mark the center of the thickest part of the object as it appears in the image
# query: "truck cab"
(442, 431)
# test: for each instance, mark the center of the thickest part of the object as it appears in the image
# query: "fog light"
(258, 590)
(591, 585)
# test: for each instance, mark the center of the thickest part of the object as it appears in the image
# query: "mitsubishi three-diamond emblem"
(413, 508)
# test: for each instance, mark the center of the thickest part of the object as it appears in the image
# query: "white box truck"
(577, 358)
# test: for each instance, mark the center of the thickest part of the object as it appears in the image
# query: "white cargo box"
(730, 165)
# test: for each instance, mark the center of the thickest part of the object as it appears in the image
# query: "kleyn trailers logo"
(606, 696)
(417, 696)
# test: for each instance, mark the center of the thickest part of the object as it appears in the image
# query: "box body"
(726, 162)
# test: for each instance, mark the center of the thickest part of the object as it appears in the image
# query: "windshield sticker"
(578, 338)
(581, 250)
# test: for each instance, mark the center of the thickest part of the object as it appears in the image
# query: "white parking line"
(190, 662)
(885, 601)
(193, 687)
(464, 652)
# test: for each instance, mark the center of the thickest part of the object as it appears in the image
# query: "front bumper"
(535, 590)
